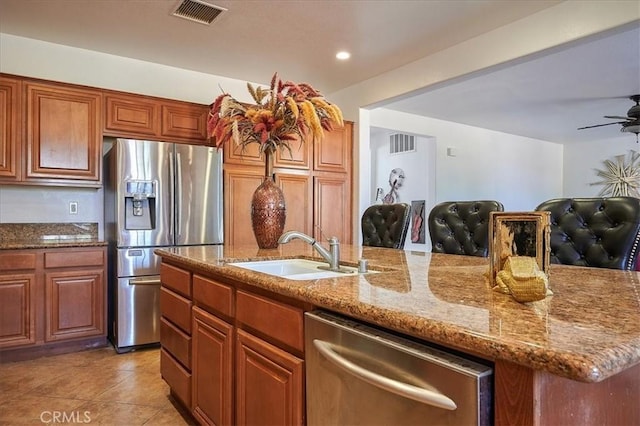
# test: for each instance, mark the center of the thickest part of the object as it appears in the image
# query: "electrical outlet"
(73, 207)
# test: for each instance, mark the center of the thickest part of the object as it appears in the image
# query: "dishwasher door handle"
(405, 390)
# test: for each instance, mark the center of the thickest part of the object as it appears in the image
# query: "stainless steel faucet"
(332, 255)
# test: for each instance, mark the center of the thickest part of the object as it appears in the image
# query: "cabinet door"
(333, 152)
(64, 137)
(298, 197)
(212, 372)
(74, 304)
(10, 168)
(17, 309)
(128, 115)
(184, 122)
(248, 155)
(239, 185)
(269, 383)
(332, 207)
(298, 158)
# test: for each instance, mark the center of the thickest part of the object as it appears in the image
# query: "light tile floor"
(95, 387)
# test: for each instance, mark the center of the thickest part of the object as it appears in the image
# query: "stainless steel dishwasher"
(359, 375)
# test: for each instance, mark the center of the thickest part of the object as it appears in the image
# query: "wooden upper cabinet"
(130, 115)
(249, 155)
(298, 158)
(10, 103)
(63, 133)
(333, 152)
(184, 121)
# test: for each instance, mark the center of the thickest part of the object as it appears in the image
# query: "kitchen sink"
(296, 269)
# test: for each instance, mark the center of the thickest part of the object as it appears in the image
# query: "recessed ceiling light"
(343, 55)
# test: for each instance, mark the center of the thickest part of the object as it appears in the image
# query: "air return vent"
(198, 11)
(400, 142)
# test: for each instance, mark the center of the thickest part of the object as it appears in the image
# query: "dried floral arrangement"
(283, 113)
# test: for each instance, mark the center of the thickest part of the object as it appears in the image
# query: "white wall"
(519, 172)
(38, 59)
(582, 160)
(419, 170)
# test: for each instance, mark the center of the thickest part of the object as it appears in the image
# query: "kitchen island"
(573, 358)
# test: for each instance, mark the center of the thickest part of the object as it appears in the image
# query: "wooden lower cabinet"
(269, 383)
(17, 310)
(247, 356)
(177, 377)
(74, 304)
(175, 331)
(212, 382)
(52, 296)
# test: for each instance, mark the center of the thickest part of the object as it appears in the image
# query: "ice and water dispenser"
(140, 204)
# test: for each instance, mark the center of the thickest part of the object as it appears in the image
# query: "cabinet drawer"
(16, 261)
(276, 320)
(176, 342)
(65, 258)
(176, 309)
(212, 295)
(178, 379)
(176, 279)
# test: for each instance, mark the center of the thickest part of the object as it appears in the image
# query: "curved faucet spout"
(332, 256)
(292, 235)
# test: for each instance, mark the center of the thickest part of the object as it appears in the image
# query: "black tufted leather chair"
(596, 232)
(385, 225)
(462, 227)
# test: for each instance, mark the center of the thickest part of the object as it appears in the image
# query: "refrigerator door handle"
(172, 197)
(145, 281)
(178, 194)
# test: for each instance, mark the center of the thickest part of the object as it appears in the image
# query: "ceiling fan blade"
(619, 117)
(600, 125)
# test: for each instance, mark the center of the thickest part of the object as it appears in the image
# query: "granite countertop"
(587, 331)
(15, 236)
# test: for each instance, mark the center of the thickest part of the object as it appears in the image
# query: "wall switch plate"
(73, 207)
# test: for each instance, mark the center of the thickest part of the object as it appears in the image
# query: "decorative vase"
(268, 210)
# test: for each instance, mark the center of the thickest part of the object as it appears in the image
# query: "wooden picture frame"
(518, 234)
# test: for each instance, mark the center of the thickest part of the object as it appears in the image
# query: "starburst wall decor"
(621, 176)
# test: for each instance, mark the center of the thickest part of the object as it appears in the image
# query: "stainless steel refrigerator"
(157, 194)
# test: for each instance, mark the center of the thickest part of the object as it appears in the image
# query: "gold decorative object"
(518, 235)
(522, 279)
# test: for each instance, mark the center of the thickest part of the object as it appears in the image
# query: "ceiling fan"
(630, 123)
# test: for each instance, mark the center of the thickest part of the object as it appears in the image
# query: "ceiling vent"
(198, 11)
(399, 142)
